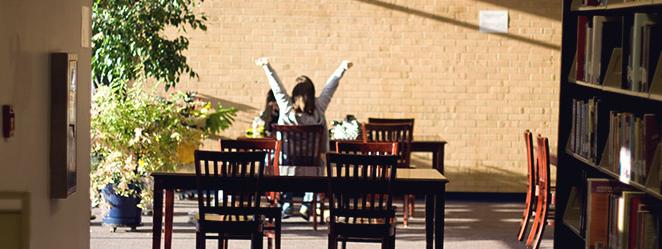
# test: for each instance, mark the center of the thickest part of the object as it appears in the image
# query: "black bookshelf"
(573, 169)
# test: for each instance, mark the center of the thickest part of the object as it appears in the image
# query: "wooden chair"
(391, 121)
(403, 134)
(229, 196)
(302, 147)
(531, 188)
(272, 147)
(544, 198)
(269, 145)
(359, 214)
(369, 148)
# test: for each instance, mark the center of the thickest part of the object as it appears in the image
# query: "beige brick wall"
(424, 59)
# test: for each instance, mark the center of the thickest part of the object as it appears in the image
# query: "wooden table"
(435, 147)
(428, 182)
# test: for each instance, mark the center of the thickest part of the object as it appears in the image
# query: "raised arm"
(282, 99)
(332, 84)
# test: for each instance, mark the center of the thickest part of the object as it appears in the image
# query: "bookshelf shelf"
(634, 185)
(625, 92)
(617, 6)
(586, 84)
(574, 230)
(642, 95)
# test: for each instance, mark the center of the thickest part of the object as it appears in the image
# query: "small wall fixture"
(8, 122)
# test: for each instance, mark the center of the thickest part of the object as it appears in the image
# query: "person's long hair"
(306, 90)
(268, 115)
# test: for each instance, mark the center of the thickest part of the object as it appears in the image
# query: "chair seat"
(234, 224)
(356, 231)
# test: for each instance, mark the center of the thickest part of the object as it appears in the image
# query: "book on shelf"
(583, 137)
(644, 30)
(648, 229)
(582, 22)
(589, 3)
(573, 215)
(651, 134)
(619, 218)
(595, 47)
(572, 76)
(626, 223)
(632, 143)
(650, 51)
(597, 211)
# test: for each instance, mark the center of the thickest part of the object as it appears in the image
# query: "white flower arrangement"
(348, 129)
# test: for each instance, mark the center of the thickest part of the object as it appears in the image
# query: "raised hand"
(262, 61)
(347, 64)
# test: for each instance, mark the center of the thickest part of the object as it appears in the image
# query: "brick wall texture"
(424, 59)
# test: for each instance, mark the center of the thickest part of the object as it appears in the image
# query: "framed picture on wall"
(64, 79)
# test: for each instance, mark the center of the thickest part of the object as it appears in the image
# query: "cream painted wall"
(29, 31)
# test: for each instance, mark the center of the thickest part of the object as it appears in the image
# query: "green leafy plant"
(140, 133)
(135, 132)
(130, 42)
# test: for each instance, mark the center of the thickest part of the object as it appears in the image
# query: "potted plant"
(140, 133)
(136, 133)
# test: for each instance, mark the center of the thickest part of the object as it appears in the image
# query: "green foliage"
(140, 133)
(129, 41)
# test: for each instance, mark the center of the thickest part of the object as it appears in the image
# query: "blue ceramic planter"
(123, 212)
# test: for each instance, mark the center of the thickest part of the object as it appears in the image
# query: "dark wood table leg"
(157, 217)
(429, 221)
(439, 218)
(168, 215)
(435, 161)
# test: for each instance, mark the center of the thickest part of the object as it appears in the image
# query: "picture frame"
(64, 82)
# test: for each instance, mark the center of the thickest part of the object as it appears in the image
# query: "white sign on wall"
(493, 21)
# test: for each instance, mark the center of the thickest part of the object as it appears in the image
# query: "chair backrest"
(367, 148)
(531, 164)
(348, 193)
(228, 182)
(392, 132)
(542, 169)
(391, 121)
(269, 145)
(301, 144)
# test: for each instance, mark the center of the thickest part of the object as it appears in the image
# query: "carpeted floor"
(470, 224)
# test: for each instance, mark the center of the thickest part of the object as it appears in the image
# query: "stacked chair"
(539, 196)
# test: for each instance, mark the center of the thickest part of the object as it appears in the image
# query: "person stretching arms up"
(302, 108)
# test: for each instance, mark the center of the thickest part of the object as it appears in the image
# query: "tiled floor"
(469, 224)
